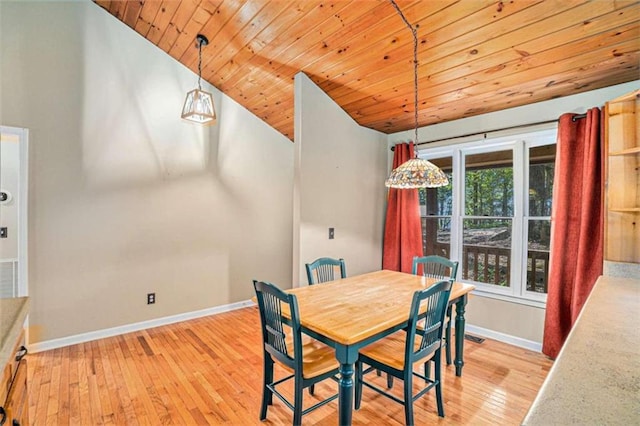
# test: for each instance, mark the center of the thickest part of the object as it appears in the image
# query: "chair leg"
(389, 381)
(267, 395)
(408, 399)
(297, 402)
(448, 336)
(427, 369)
(438, 379)
(358, 390)
(312, 389)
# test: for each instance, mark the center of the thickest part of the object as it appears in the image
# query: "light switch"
(331, 233)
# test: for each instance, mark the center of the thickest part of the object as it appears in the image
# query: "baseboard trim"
(128, 328)
(143, 325)
(504, 338)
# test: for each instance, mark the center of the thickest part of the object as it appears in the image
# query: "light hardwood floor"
(209, 371)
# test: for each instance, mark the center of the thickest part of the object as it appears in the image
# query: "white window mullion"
(518, 240)
(456, 219)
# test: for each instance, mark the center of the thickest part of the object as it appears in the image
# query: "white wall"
(513, 320)
(125, 197)
(340, 169)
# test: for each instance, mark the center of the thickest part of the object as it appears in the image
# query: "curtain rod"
(574, 118)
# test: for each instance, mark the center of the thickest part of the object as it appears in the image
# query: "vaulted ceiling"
(474, 56)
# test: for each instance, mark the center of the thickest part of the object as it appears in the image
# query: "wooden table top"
(352, 309)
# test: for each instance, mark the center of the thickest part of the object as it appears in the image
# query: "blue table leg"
(346, 393)
(346, 356)
(460, 306)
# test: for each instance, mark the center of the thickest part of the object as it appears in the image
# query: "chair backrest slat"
(274, 324)
(435, 267)
(325, 269)
(426, 320)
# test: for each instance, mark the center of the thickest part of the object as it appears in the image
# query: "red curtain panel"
(402, 230)
(576, 225)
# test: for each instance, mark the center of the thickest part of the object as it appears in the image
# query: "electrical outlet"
(151, 298)
(331, 233)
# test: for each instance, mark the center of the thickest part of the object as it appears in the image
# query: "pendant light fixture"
(198, 106)
(417, 172)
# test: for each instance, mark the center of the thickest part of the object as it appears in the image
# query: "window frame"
(531, 295)
(520, 143)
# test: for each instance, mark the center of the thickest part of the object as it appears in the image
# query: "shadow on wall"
(132, 97)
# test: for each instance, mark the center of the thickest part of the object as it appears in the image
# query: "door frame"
(23, 203)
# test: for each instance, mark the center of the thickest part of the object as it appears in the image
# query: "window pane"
(436, 207)
(436, 236)
(486, 251)
(541, 167)
(489, 184)
(438, 201)
(539, 241)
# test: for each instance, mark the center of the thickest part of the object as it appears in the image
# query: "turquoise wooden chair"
(421, 342)
(440, 268)
(324, 269)
(308, 363)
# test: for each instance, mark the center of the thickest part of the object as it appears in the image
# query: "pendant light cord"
(199, 63)
(414, 32)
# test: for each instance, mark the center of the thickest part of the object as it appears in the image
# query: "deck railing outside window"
(492, 265)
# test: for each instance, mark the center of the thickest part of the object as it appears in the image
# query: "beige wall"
(340, 173)
(125, 197)
(516, 320)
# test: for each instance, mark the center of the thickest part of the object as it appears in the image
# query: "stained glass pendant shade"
(198, 106)
(417, 172)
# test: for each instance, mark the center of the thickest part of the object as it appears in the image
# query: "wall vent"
(8, 278)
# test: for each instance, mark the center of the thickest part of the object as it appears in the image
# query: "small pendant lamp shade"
(416, 173)
(198, 106)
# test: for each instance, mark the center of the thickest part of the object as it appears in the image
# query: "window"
(541, 160)
(436, 210)
(494, 216)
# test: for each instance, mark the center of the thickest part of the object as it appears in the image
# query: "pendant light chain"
(415, 172)
(414, 32)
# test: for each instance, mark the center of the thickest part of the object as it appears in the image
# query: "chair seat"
(390, 350)
(317, 358)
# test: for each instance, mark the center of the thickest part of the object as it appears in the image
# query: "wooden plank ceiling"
(474, 56)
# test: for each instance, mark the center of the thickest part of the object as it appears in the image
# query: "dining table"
(350, 313)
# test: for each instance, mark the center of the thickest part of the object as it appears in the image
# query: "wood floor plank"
(209, 371)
